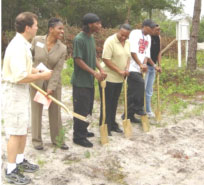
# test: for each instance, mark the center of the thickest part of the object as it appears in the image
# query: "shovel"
(78, 116)
(145, 121)
(103, 127)
(126, 122)
(158, 112)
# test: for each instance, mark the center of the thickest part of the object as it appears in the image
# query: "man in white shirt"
(17, 73)
(140, 42)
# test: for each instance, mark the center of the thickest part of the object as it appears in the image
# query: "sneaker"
(17, 178)
(26, 166)
(151, 114)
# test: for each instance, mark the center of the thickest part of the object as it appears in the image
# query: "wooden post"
(179, 53)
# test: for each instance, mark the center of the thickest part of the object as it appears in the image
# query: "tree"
(192, 62)
(173, 6)
(111, 12)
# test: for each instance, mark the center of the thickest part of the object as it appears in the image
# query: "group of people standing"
(126, 54)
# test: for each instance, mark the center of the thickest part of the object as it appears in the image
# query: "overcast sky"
(189, 6)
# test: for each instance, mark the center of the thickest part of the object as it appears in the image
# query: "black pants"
(112, 93)
(83, 99)
(135, 93)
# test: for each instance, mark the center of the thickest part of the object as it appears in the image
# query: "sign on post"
(182, 33)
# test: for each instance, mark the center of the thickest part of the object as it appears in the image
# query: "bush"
(201, 31)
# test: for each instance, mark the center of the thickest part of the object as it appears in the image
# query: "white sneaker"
(151, 114)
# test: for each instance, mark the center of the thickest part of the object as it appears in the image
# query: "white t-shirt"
(139, 44)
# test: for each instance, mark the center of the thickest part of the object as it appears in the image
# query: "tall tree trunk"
(192, 62)
(150, 13)
(128, 15)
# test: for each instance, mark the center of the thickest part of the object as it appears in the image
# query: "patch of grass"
(67, 72)
(87, 154)
(177, 105)
(114, 172)
(60, 138)
(160, 125)
(196, 111)
(200, 59)
(68, 162)
(41, 163)
(177, 85)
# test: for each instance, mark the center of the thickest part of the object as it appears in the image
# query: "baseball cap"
(90, 18)
(149, 23)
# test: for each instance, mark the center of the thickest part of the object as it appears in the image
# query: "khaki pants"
(54, 112)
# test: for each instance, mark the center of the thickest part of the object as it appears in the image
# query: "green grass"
(177, 85)
(41, 163)
(67, 72)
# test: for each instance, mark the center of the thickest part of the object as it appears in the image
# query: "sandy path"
(168, 154)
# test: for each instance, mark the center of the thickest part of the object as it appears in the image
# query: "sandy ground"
(171, 153)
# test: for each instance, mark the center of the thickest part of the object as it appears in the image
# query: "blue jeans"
(149, 81)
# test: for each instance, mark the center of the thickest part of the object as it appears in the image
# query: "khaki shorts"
(15, 108)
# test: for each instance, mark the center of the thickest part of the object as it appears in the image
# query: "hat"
(149, 23)
(90, 18)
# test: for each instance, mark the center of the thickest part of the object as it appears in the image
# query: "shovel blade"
(145, 123)
(127, 128)
(104, 134)
(158, 115)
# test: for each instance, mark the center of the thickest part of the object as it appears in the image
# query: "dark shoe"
(90, 134)
(141, 112)
(134, 120)
(39, 147)
(117, 130)
(123, 116)
(17, 178)
(63, 146)
(109, 133)
(83, 142)
(26, 166)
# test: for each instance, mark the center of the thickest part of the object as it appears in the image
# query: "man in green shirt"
(85, 62)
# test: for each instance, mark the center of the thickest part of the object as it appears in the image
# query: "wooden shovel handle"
(58, 103)
(158, 96)
(125, 97)
(103, 86)
(143, 75)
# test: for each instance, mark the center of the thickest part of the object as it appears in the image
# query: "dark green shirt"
(84, 48)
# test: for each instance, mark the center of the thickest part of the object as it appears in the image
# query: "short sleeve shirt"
(118, 54)
(139, 44)
(17, 60)
(84, 48)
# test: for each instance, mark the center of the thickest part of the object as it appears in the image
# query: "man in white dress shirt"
(17, 73)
